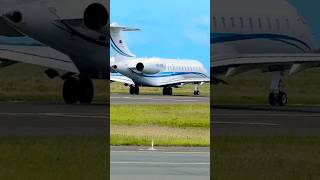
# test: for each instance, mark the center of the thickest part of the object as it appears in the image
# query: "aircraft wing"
(116, 77)
(16, 47)
(37, 55)
(295, 63)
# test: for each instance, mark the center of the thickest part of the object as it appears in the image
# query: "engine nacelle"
(96, 16)
(147, 68)
(14, 16)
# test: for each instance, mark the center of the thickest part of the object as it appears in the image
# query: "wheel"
(136, 90)
(165, 91)
(169, 90)
(85, 91)
(70, 90)
(272, 99)
(132, 90)
(282, 98)
(196, 93)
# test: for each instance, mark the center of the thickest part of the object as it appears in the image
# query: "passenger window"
(288, 24)
(215, 21)
(223, 22)
(251, 23)
(278, 23)
(259, 23)
(232, 22)
(241, 23)
(269, 23)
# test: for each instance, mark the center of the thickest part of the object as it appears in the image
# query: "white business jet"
(152, 72)
(69, 36)
(269, 35)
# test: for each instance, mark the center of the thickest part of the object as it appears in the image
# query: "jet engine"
(147, 68)
(96, 16)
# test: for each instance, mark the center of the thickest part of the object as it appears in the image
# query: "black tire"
(169, 91)
(131, 90)
(282, 99)
(196, 93)
(86, 92)
(165, 91)
(136, 90)
(70, 90)
(272, 99)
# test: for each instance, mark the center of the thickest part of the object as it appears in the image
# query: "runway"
(156, 99)
(265, 120)
(39, 119)
(137, 163)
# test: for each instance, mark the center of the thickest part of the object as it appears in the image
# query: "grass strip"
(51, 158)
(265, 158)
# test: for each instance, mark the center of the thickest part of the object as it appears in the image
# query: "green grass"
(176, 115)
(51, 158)
(187, 90)
(168, 125)
(265, 158)
(118, 140)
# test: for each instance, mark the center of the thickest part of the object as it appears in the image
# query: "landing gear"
(70, 90)
(134, 90)
(277, 95)
(167, 91)
(282, 98)
(78, 90)
(85, 91)
(196, 91)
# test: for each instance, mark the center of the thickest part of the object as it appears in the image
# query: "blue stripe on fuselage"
(229, 37)
(19, 41)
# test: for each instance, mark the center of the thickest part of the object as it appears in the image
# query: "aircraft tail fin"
(117, 42)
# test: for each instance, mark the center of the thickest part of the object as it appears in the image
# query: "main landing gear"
(134, 90)
(78, 90)
(167, 91)
(277, 95)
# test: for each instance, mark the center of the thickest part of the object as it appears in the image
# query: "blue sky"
(310, 10)
(170, 28)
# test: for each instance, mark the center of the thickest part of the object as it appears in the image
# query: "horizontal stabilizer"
(115, 26)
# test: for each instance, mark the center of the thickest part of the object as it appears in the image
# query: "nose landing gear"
(196, 91)
(277, 95)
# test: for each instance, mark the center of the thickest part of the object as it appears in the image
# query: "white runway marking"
(130, 98)
(161, 152)
(267, 115)
(161, 163)
(245, 123)
(186, 100)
